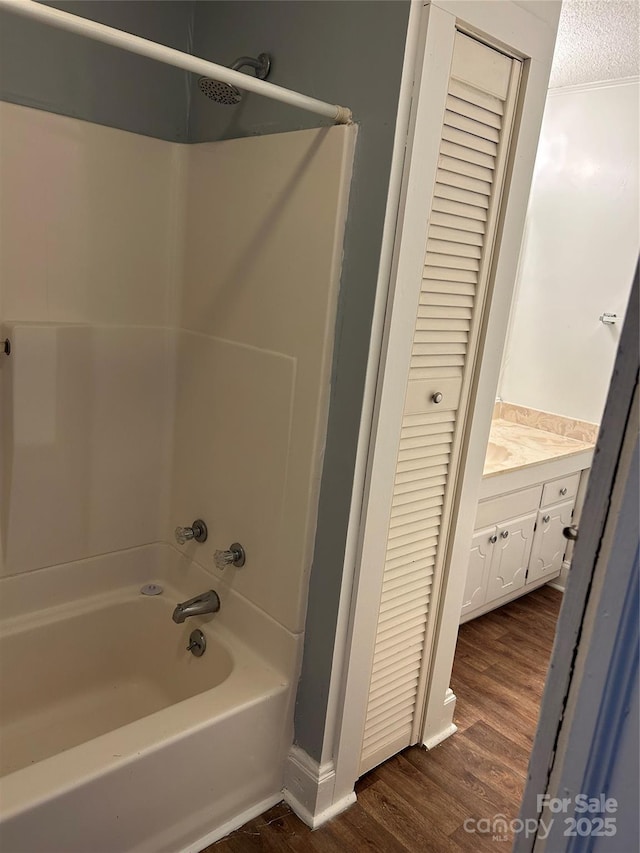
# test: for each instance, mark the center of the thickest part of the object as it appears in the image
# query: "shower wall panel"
(171, 310)
(263, 251)
(87, 276)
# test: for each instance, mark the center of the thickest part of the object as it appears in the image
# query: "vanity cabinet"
(518, 543)
(475, 591)
(511, 544)
(549, 545)
(499, 559)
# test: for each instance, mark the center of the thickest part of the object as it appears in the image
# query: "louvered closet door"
(475, 136)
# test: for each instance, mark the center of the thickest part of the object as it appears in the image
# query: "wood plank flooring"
(419, 800)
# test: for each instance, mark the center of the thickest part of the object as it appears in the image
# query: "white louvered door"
(475, 137)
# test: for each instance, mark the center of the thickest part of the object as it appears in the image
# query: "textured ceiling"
(597, 40)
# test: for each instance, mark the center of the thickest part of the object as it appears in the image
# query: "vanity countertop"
(514, 445)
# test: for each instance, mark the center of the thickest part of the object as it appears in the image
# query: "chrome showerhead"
(225, 93)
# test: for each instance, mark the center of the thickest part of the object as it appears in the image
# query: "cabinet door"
(510, 556)
(549, 544)
(478, 572)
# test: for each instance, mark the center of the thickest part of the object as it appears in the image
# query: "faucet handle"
(183, 535)
(235, 556)
(197, 531)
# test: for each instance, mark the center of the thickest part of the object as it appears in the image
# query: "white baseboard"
(233, 824)
(317, 820)
(446, 726)
(309, 789)
(434, 740)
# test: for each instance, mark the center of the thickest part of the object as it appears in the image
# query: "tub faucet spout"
(206, 602)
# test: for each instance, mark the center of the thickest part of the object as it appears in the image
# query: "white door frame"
(510, 26)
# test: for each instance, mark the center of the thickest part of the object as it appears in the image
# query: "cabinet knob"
(563, 491)
(437, 397)
(493, 539)
(546, 519)
(505, 534)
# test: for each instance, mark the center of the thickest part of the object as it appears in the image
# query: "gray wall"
(64, 73)
(349, 53)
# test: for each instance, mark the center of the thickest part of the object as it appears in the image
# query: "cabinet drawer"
(507, 506)
(421, 393)
(563, 489)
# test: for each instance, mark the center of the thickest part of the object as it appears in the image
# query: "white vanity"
(533, 485)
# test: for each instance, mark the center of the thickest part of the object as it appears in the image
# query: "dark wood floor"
(419, 800)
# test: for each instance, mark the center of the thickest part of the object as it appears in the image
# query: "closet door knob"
(505, 534)
(493, 539)
(437, 397)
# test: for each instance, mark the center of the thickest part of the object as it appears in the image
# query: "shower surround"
(171, 312)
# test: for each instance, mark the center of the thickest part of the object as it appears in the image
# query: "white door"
(474, 145)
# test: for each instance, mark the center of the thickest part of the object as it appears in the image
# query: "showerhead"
(225, 93)
(221, 93)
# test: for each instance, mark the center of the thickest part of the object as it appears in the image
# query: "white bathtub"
(113, 737)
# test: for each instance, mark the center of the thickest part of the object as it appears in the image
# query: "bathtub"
(114, 737)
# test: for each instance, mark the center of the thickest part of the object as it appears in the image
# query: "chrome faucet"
(206, 602)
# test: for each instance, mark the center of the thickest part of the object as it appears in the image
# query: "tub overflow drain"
(197, 643)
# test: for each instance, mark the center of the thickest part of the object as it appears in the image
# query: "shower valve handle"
(235, 556)
(198, 532)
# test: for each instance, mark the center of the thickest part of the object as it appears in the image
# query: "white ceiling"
(597, 40)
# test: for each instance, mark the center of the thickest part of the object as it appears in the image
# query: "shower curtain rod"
(170, 56)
